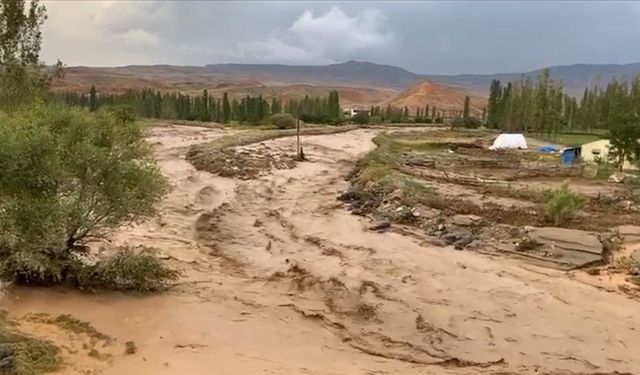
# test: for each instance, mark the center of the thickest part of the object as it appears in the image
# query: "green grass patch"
(31, 356)
(378, 175)
(572, 139)
(69, 323)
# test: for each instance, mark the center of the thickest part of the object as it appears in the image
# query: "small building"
(598, 151)
(350, 112)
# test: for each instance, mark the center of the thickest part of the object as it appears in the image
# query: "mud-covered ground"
(279, 278)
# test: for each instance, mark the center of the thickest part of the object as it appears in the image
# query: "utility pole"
(299, 153)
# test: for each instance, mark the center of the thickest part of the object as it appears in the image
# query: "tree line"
(150, 103)
(541, 106)
(528, 106)
(427, 114)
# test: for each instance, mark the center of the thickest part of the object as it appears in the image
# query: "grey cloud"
(426, 37)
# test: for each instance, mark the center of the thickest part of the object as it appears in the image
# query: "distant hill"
(352, 74)
(443, 97)
(575, 77)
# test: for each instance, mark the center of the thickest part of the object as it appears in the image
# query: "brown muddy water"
(278, 278)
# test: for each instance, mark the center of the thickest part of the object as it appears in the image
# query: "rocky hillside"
(443, 97)
(353, 74)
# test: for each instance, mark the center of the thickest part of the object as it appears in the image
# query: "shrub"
(123, 113)
(68, 177)
(563, 204)
(361, 118)
(375, 120)
(128, 270)
(604, 171)
(283, 120)
(469, 123)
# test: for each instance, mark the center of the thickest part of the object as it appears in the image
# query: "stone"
(427, 213)
(349, 196)
(570, 247)
(465, 220)
(6, 359)
(381, 225)
(619, 177)
(629, 233)
(635, 256)
(435, 241)
(463, 241)
(450, 238)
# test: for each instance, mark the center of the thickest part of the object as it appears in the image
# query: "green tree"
(465, 112)
(226, 109)
(22, 76)
(68, 177)
(335, 113)
(276, 106)
(92, 99)
(493, 106)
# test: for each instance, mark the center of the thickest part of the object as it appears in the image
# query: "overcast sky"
(424, 37)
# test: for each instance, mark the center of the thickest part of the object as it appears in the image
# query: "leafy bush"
(361, 118)
(123, 113)
(68, 177)
(128, 270)
(283, 120)
(563, 204)
(423, 120)
(604, 170)
(375, 120)
(469, 123)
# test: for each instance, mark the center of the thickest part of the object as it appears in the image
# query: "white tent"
(505, 141)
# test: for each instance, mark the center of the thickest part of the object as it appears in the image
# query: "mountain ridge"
(351, 73)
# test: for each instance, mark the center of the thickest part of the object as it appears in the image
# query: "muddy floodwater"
(278, 278)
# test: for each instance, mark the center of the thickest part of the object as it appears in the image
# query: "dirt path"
(280, 279)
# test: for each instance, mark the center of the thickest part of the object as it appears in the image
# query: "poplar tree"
(92, 99)
(226, 109)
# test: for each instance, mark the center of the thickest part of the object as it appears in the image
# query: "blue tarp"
(547, 149)
(570, 155)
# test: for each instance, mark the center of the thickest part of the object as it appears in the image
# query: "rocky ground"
(280, 278)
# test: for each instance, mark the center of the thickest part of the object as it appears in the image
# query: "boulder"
(629, 233)
(349, 196)
(570, 247)
(435, 241)
(619, 177)
(463, 241)
(6, 359)
(425, 213)
(635, 256)
(453, 238)
(465, 220)
(380, 225)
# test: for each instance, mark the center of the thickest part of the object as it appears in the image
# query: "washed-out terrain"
(280, 277)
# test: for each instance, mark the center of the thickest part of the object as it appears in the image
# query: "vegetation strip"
(207, 156)
(21, 354)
